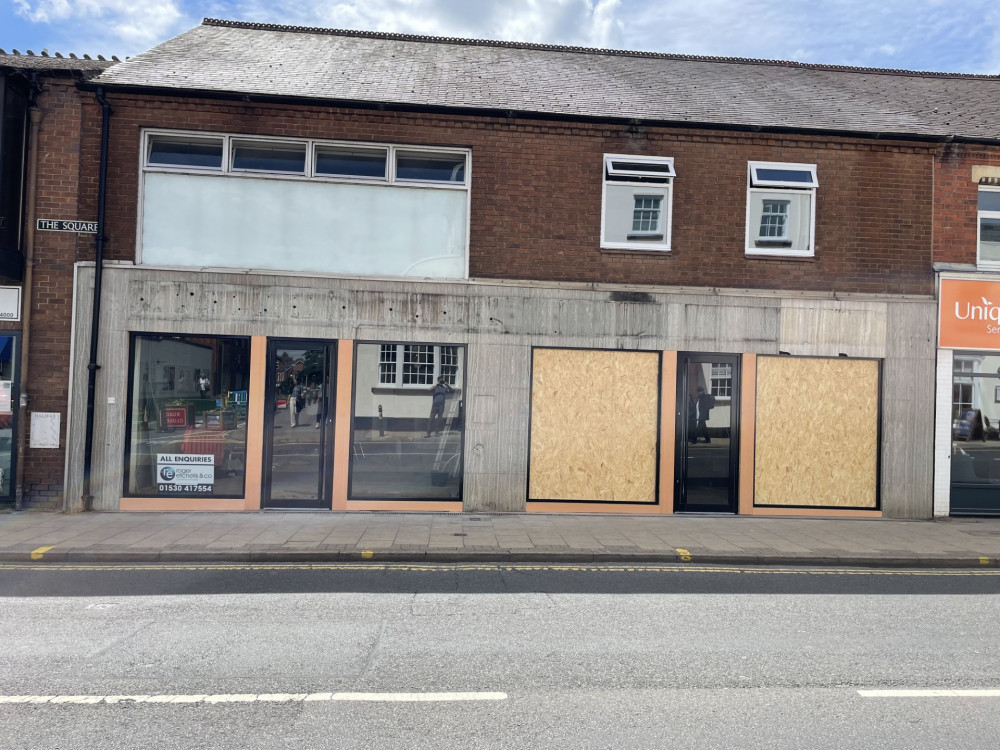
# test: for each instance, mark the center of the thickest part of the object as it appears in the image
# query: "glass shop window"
(8, 407)
(408, 425)
(187, 416)
(975, 434)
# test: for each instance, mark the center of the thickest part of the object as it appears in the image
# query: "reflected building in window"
(408, 423)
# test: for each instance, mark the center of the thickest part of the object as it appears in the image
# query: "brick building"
(40, 155)
(967, 261)
(363, 271)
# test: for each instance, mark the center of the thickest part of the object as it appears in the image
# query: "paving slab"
(508, 537)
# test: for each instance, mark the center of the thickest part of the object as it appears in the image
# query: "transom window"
(306, 158)
(988, 253)
(781, 209)
(636, 202)
(417, 365)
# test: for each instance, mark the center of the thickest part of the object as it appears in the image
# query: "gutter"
(510, 114)
(87, 497)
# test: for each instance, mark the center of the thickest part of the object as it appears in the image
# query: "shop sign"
(10, 303)
(184, 473)
(969, 314)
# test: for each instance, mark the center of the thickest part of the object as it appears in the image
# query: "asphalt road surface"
(496, 656)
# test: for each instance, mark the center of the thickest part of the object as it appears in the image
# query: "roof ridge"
(584, 50)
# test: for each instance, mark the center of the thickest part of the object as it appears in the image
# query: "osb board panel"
(594, 425)
(816, 432)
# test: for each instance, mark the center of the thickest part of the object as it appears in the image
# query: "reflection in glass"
(709, 411)
(975, 433)
(188, 416)
(408, 422)
(7, 354)
(300, 399)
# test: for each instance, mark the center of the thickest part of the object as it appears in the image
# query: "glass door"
(298, 442)
(975, 434)
(706, 430)
(9, 353)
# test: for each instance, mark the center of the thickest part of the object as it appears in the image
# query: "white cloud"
(590, 23)
(918, 34)
(127, 26)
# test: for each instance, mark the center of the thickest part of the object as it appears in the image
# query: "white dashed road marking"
(990, 693)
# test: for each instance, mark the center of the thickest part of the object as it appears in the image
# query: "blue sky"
(961, 36)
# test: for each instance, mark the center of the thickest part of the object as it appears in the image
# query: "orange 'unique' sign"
(969, 314)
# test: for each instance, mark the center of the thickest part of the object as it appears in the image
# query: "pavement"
(297, 536)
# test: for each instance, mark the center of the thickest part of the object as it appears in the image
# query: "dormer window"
(781, 209)
(637, 200)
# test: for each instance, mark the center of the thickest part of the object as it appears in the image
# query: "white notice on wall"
(5, 391)
(44, 429)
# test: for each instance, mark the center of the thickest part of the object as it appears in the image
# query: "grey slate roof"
(282, 61)
(46, 63)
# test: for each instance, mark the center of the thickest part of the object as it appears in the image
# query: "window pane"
(784, 175)
(646, 215)
(8, 352)
(780, 221)
(418, 365)
(975, 414)
(188, 416)
(351, 162)
(989, 239)
(387, 365)
(774, 219)
(989, 200)
(407, 442)
(185, 152)
(635, 215)
(263, 157)
(411, 165)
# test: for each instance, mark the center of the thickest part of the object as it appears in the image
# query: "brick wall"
(536, 194)
(59, 144)
(956, 199)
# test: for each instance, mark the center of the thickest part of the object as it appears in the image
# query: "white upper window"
(302, 205)
(781, 209)
(988, 255)
(636, 202)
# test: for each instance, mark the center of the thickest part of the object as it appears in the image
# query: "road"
(514, 656)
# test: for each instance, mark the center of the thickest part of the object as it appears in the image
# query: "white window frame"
(980, 215)
(147, 134)
(756, 186)
(627, 170)
(399, 361)
(311, 144)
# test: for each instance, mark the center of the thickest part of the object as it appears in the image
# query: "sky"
(958, 36)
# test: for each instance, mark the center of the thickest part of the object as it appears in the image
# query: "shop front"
(967, 451)
(255, 392)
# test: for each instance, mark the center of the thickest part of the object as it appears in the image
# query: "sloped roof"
(60, 64)
(328, 64)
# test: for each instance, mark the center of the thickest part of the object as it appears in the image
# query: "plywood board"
(594, 424)
(816, 432)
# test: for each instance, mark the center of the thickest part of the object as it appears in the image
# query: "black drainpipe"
(95, 322)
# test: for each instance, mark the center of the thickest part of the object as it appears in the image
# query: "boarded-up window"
(817, 432)
(594, 425)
